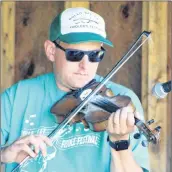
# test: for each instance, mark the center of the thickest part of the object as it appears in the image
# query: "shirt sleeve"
(7, 100)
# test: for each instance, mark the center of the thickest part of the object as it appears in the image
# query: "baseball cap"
(76, 25)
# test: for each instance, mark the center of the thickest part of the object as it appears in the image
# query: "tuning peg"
(145, 143)
(137, 136)
(150, 122)
(158, 129)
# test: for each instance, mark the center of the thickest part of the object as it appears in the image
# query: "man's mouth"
(81, 74)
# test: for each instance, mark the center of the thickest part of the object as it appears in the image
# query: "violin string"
(105, 104)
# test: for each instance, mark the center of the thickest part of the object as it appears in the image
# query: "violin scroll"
(152, 136)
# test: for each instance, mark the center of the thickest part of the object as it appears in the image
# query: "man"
(75, 47)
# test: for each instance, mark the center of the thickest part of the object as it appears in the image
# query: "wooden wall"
(32, 23)
(7, 44)
(156, 68)
(169, 70)
(125, 21)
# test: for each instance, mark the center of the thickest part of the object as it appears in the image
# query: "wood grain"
(32, 24)
(70, 4)
(7, 44)
(154, 69)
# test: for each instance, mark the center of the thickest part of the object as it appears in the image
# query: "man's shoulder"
(36, 84)
(37, 81)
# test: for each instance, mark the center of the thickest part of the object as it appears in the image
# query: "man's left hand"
(121, 124)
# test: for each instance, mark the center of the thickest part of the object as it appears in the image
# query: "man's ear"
(49, 50)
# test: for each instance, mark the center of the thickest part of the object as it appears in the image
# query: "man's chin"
(79, 84)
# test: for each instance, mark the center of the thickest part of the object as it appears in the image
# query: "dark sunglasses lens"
(74, 56)
(96, 56)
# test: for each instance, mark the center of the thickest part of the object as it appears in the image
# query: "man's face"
(74, 74)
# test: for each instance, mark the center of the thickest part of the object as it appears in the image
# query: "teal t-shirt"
(25, 110)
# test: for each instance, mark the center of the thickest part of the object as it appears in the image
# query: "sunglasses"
(74, 55)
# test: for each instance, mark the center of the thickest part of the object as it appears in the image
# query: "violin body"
(96, 113)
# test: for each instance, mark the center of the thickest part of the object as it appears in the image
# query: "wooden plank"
(70, 4)
(169, 68)
(7, 44)
(154, 69)
(32, 24)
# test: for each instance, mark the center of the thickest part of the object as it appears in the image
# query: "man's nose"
(84, 62)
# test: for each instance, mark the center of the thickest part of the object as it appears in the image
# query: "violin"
(94, 104)
(96, 113)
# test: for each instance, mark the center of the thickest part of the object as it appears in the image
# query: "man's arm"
(123, 161)
(19, 149)
(138, 153)
(121, 127)
(120, 124)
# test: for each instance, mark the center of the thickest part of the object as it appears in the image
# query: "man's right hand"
(20, 149)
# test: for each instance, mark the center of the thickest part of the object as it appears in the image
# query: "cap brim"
(75, 38)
